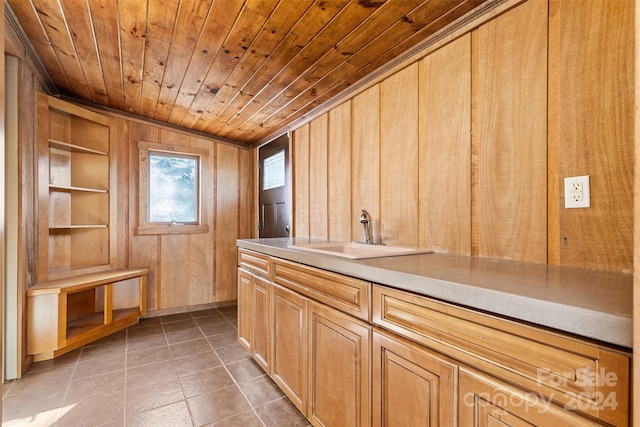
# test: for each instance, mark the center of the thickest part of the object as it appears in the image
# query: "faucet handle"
(365, 217)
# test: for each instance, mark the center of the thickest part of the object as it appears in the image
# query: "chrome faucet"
(365, 219)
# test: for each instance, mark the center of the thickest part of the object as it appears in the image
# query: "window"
(170, 189)
(273, 175)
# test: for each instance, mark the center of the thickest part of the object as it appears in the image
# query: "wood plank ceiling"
(237, 69)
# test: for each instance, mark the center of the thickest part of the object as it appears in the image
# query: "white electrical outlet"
(576, 192)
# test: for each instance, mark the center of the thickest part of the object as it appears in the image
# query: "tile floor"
(179, 370)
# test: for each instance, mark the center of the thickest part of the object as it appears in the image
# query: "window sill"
(172, 229)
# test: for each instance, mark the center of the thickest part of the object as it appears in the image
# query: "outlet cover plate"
(576, 192)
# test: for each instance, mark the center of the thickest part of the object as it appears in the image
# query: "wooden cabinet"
(318, 355)
(65, 314)
(254, 320)
(76, 190)
(338, 368)
(289, 344)
(426, 362)
(245, 284)
(574, 373)
(484, 401)
(261, 323)
(412, 386)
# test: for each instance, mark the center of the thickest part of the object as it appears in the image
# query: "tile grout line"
(224, 365)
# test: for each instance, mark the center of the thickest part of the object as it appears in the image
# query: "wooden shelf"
(74, 148)
(68, 189)
(77, 189)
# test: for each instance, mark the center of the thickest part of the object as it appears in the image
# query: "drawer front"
(343, 293)
(254, 262)
(580, 374)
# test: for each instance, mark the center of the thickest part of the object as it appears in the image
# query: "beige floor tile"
(145, 342)
(145, 357)
(217, 405)
(217, 328)
(92, 412)
(232, 353)
(144, 398)
(175, 317)
(174, 415)
(150, 374)
(136, 378)
(179, 325)
(94, 387)
(196, 363)
(245, 419)
(223, 340)
(211, 319)
(281, 412)
(111, 363)
(205, 381)
(188, 348)
(260, 391)
(245, 370)
(190, 334)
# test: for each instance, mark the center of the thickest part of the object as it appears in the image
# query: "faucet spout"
(365, 219)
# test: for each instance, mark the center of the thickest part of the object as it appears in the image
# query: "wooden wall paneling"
(202, 245)
(635, 384)
(143, 250)
(226, 222)
(445, 148)
(175, 272)
(248, 222)
(339, 173)
(509, 116)
(365, 160)
(300, 181)
(595, 114)
(121, 158)
(318, 156)
(399, 157)
(201, 268)
(553, 140)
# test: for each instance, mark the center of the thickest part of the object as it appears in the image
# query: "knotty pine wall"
(201, 268)
(465, 149)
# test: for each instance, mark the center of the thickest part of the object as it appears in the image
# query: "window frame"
(145, 227)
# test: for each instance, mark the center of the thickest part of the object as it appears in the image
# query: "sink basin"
(353, 250)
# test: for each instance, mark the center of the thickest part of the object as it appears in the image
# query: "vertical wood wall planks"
(339, 173)
(595, 133)
(445, 148)
(399, 157)
(509, 116)
(365, 161)
(318, 188)
(300, 168)
(226, 231)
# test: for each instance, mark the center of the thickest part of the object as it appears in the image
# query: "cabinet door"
(338, 368)
(289, 344)
(484, 401)
(245, 310)
(411, 385)
(260, 327)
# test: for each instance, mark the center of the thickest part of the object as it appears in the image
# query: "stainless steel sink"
(354, 250)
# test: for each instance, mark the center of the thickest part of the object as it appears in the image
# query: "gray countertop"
(589, 303)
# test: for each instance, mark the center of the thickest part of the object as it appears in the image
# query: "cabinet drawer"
(254, 262)
(577, 373)
(340, 292)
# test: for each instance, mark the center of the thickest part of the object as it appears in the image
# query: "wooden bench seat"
(65, 314)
